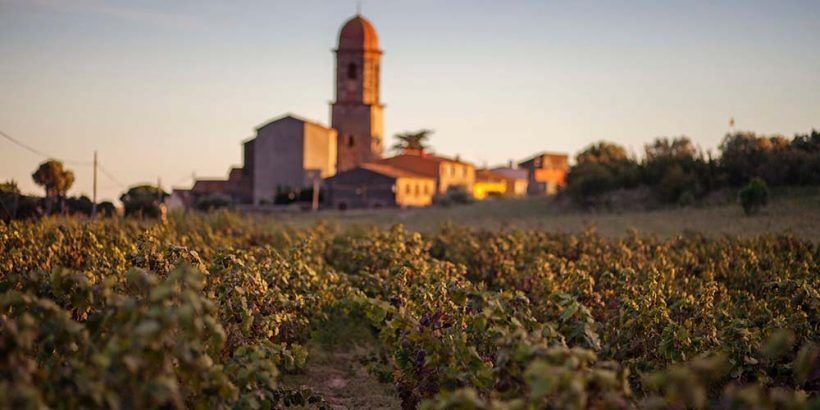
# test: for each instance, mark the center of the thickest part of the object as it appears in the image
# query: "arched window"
(352, 72)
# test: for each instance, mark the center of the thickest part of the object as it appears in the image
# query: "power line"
(41, 153)
(33, 150)
(110, 176)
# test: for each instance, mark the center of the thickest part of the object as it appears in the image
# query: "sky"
(168, 90)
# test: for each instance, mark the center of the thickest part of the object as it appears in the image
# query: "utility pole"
(94, 194)
(315, 205)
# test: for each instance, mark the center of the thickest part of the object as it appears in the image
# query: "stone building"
(289, 153)
(546, 173)
(517, 179)
(237, 187)
(357, 112)
(377, 186)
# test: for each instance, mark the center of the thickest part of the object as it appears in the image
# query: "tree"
(601, 167)
(754, 195)
(604, 153)
(9, 187)
(678, 148)
(79, 205)
(588, 181)
(671, 168)
(412, 141)
(144, 201)
(56, 181)
(106, 209)
(9, 198)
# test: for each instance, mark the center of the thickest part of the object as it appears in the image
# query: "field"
(226, 311)
(795, 211)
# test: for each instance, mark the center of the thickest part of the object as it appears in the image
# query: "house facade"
(447, 172)
(379, 186)
(517, 180)
(546, 173)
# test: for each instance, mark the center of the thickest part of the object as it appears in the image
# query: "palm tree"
(412, 141)
(54, 179)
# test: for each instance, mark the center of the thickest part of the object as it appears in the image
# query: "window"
(407, 189)
(452, 170)
(417, 189)
(464, 172)
(352, 72)
(350, 142)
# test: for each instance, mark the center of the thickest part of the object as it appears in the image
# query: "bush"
(144, 201)
(79, 205)
(106, 209)
(587, 182)
(754, 196)
(455, 195)
(14, 205)
(212, 202)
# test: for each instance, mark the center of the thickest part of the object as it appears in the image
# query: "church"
(290, 153)
(290, 157)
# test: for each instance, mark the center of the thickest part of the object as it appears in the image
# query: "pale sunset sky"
(170, 88)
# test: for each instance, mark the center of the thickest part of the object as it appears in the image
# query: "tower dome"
(358, 34)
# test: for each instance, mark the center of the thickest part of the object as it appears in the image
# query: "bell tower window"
(352, 72)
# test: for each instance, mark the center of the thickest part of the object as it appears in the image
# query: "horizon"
(164, 90)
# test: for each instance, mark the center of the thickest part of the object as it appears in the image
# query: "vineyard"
(218, 312)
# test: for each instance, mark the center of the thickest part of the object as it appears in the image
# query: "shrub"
(212, 202)
(754, 196)
(143, 201)
(455, 195)
(587, 182)
(106, 209)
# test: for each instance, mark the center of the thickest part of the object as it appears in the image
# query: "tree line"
(675, 171)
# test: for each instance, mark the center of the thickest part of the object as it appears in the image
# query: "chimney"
(458, 157)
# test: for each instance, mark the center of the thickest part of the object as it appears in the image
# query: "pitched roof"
(390, 171)
(424, 164)
(291, 117)
(551, 155)
(513, 173)
(202, 186)
(486, 175)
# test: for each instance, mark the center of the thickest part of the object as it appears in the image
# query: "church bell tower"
(357, 112)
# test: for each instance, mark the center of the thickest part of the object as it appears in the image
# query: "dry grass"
(795, 212)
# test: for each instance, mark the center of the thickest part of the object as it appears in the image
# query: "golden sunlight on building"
(489, 185)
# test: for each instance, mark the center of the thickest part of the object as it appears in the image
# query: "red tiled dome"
(358, 34)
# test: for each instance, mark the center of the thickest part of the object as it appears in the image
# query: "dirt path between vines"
(340, 375)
